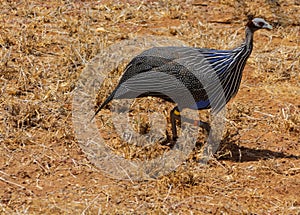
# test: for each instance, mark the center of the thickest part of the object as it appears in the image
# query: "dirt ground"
(45, 46)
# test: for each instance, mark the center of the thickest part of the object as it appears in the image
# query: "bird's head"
(258, 23)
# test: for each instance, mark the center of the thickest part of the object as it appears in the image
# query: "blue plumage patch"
(201, 105)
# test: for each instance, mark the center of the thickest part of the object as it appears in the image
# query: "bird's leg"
(198, 123)
(175, 115)
(202, 124)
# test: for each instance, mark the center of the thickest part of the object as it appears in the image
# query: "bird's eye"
(261, 24)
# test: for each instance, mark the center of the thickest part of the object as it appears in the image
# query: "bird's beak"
(268, 26)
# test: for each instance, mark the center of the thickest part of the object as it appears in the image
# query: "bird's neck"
(249, 38)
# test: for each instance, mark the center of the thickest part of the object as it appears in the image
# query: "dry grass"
(44, 46)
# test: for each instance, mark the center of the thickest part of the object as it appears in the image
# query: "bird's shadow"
(231, 150)
(234, 152)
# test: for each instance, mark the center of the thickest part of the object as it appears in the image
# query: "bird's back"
(195, 68)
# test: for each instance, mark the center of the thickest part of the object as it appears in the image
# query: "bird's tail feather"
(109, 98)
